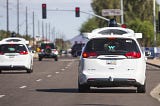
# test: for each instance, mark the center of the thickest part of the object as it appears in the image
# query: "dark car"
(77, 49)
(48, 50)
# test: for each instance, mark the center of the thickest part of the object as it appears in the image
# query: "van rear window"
(111, 46)
(12, 48)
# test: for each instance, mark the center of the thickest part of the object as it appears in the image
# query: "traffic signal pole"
(98, 16)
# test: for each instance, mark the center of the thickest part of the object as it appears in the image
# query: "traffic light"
(44, 11)
(77, 12)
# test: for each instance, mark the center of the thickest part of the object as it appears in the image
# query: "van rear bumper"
(13, 67)
(110, 82)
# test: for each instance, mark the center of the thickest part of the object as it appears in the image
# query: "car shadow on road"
(14, 72)
(75, 90)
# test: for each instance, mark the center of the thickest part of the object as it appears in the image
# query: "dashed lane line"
(49, 76)
(1, 96)
(39, 80)
(66, 67)
(22, 87)
(63, 69)
(57, 72)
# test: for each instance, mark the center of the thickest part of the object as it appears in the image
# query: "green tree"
(141, 9)
(146, 28)
(89, 25)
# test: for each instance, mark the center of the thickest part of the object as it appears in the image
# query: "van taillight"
(1, 53)
(133, 55)
(89, 54)
(23, 52)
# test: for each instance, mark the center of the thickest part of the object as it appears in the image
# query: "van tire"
(83, 88)
(141, 89)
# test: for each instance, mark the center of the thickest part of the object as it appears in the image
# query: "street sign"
(111, 12)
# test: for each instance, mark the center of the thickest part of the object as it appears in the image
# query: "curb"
(153, 64)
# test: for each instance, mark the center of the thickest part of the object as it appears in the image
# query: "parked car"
(77, 49)
(15, 55)
(112, 60)
(48, 50)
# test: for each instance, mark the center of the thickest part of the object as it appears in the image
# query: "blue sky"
(64, 23)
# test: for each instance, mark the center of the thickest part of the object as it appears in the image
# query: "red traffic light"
(77, 9)
(77, 12)
(43, 5)
(44, 11)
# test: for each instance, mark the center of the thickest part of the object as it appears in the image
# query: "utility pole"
(46, 31)
(17, 17)
(122, 16)
(26, 22)
(38, 28)
(7, 17)
(154, 18)
(42, 31)
(54, 34)
(49, 31)
(33, 30)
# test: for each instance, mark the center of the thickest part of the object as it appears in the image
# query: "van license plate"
(111, 62)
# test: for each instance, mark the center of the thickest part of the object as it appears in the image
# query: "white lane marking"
(57, 72)
(1, 96)
(155, 93)
(66, 67)
(22, 87)
(49, 76)
(63, 69)
(69, 65)
(39, 80)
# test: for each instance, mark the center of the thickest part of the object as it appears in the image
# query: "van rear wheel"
(30, 71)
(141, 89)
(56, 59)
(83, 88)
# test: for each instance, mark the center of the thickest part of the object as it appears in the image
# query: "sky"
(158, 1)
(63, 24)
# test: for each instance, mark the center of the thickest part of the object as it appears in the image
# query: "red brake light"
(1, 53)
(89, 54)
(133, 55)
(23, 52)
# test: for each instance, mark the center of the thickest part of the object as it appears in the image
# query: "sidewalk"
(154, 62)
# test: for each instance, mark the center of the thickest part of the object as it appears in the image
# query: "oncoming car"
(15, 55)
(112, 58)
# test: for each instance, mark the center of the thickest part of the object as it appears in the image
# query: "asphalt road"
(55, 84)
